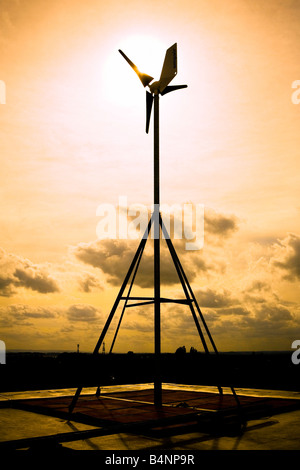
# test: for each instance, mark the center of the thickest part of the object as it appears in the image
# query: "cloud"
(259, 292)
(50, 327)
(274, 313)
(244, 315)
(219, 224)
(32, 278)
(6, 286)
(28, 311)
(20, 272)
(114, 258)
(211, 299)
(107, 255)
(89, 282)
(83, 312)
(21, 314)
(258, 286)
(288, 257)
(199, 262)
(235, 311)
(266, 323)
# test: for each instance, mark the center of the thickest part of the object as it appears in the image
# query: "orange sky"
(72, 138)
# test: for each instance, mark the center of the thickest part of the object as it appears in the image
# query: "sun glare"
(120, 83)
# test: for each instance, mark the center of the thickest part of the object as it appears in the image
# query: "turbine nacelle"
(161, 86)
(154, 87)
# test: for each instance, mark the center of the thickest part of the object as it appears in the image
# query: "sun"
(120, 83)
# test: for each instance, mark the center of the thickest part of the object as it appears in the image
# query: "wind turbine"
(160, 87)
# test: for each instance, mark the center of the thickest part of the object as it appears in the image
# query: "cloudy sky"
(73, 139)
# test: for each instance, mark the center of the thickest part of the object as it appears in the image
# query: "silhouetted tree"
(180, 352)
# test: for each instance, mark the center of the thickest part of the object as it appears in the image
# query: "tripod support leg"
(180, 275)
(127, 298)
(117, 301)
(188, 293)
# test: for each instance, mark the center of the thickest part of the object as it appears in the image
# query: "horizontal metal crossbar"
(137, 298)
(150, 300)
(140, 303)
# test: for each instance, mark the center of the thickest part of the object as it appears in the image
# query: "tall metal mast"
(157, 332)
(169, 71)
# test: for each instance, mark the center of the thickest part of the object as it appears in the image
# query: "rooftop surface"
(124, 418)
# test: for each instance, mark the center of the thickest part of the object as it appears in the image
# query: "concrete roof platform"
(124, 418)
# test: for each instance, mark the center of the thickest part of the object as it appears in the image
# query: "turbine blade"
(145, 79)
(170, 88)
(129, 61)
(169, 69)
(149, 102)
